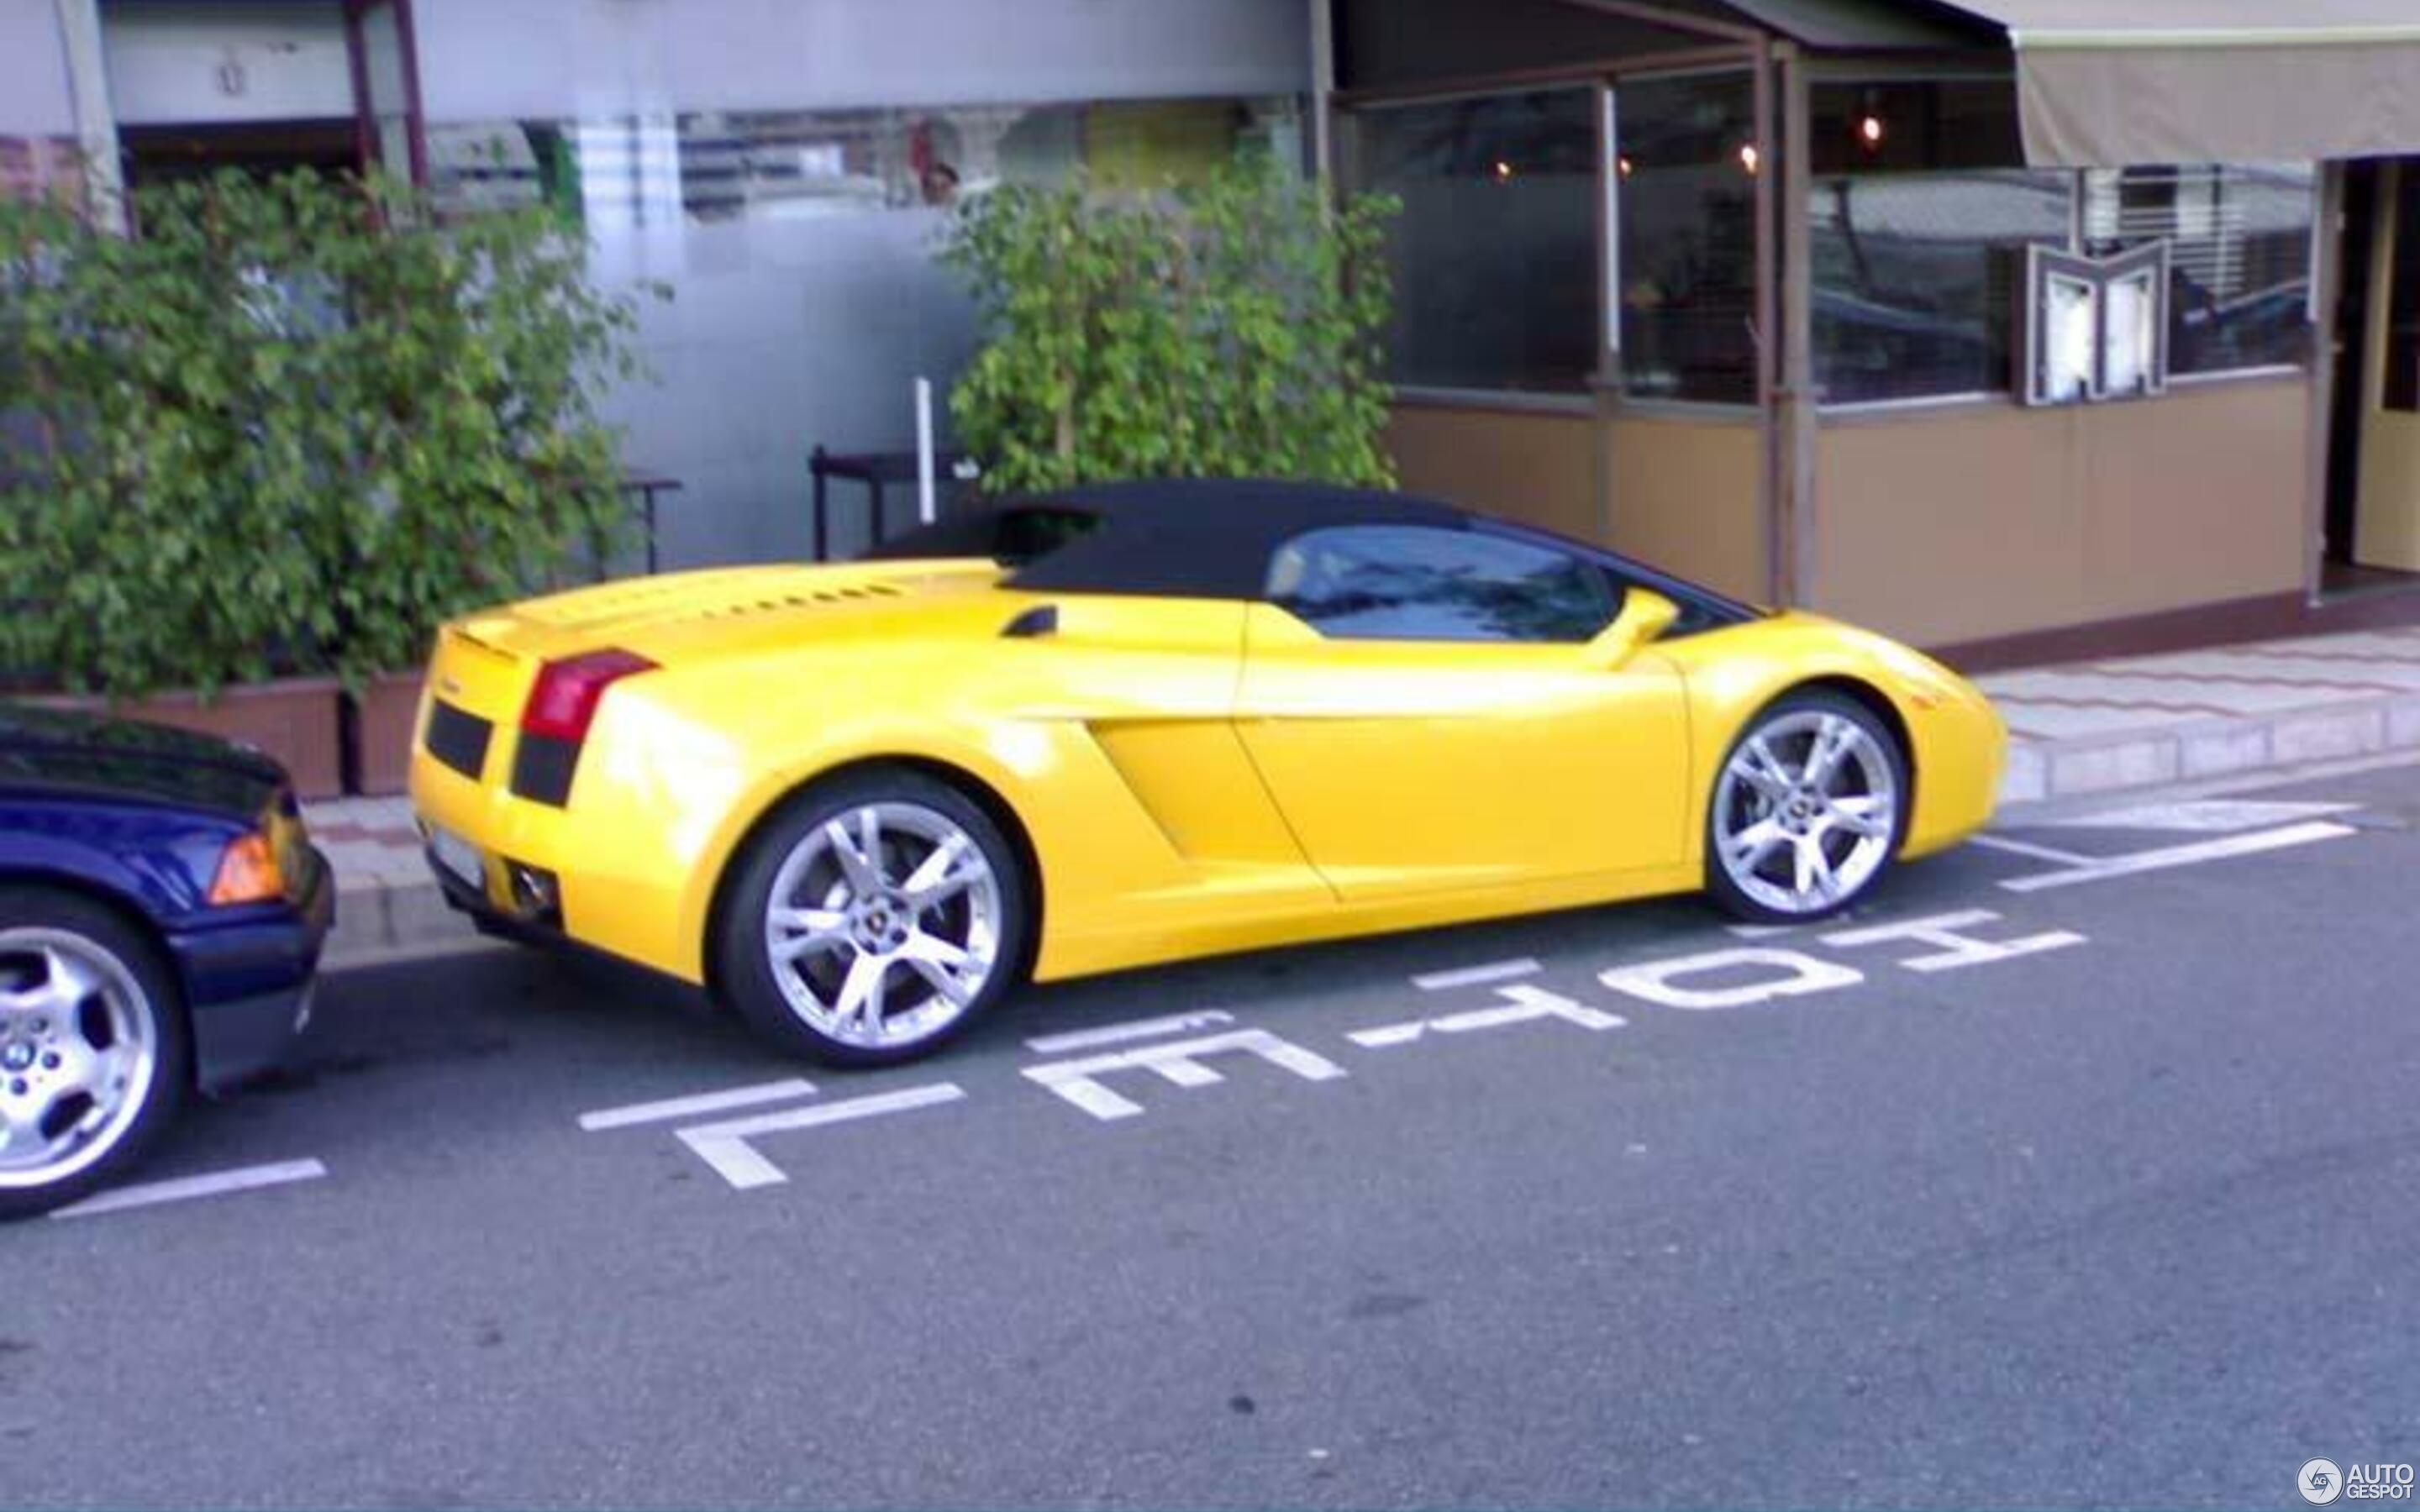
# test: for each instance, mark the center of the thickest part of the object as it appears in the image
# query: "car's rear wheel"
(873, 919)
(93, 1047)
(1808, 810)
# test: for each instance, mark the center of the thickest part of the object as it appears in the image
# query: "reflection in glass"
(1494, 256)
(1688, 181)
(707, 167)
(1400, 582)
(1916, 277)
(2239, 255)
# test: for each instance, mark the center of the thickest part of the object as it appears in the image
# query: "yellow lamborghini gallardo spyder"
(1130, 723)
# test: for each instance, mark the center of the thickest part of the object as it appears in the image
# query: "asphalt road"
(2124, 1218)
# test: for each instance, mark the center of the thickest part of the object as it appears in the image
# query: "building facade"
(1981, 322)
(1969, 321)
(784, 167)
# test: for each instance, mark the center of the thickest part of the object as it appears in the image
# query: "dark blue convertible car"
(160, 917)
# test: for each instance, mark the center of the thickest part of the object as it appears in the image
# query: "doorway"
(2373, 498)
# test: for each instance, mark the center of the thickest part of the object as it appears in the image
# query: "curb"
(2040, 770)
(384, 923)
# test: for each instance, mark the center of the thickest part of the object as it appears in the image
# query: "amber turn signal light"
(248, 874)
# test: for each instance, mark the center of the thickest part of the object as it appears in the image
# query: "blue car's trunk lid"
(66, 753)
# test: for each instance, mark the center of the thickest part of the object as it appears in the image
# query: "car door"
(1422, 702)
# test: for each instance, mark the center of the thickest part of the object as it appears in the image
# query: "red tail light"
(564, 701)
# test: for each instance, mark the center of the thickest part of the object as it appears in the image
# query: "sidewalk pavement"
(2076, 728)
(2094, 727)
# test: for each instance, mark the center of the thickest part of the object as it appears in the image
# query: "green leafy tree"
(1231, 329)
(289, 428)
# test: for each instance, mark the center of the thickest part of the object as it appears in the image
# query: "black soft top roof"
(1178, 538)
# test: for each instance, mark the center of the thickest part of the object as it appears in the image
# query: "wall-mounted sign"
(2095, 328)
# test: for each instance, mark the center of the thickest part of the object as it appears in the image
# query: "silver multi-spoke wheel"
(1805, 810)
(79, 1051)
(883, 924)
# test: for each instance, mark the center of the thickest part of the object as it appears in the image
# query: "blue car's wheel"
(94, 1055)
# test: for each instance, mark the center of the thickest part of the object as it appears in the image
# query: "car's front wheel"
(1808, 810)
(873, 919)
(93, 1047)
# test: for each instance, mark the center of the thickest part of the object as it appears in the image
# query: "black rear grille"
(458, 739)
(542, 768)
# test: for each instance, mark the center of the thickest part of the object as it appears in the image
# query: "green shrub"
(289, 428)
(1232, 330)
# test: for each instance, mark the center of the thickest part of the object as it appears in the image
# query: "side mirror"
(1645, 614)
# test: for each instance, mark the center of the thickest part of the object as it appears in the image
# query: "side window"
(1411, 582)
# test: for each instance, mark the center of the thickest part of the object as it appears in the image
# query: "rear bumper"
(488, 915)
(613, 861)
(248, 981)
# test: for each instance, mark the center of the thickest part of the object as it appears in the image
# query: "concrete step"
(2077, 765)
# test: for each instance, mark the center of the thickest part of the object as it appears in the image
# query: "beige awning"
(2105, 82)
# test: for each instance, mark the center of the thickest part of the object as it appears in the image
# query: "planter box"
(293, 720)
(383, 717)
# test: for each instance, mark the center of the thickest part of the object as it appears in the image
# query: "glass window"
(711, 167)
(1919, 213)
(1688, 162)
(1913, 126)
(2239, 260)
(1494, 256)
(1407, 582)
(1918, 277)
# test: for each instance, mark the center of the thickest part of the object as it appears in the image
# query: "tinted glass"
(1398, 582)
(1919, 213)
(1688, 168)
(2239, 254)
(1493, 255)
(1918, 274)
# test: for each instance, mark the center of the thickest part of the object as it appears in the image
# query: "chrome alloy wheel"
(78, 1051)
(1806, 812)
(883, 924)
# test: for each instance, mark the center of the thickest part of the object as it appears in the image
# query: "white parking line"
(725, 1146)
(182, 1188)
(2039, 853)
(2101, 869)
(2201, 816)
(682, 1107)
(1055, 1044)
(1438, 981)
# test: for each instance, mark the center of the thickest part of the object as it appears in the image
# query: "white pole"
(96, 121)
(924, 450)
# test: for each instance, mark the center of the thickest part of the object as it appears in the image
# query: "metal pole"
(1797, 401)
(1323, 90)
(924, 451)
(1767, 322)
(95, 122)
